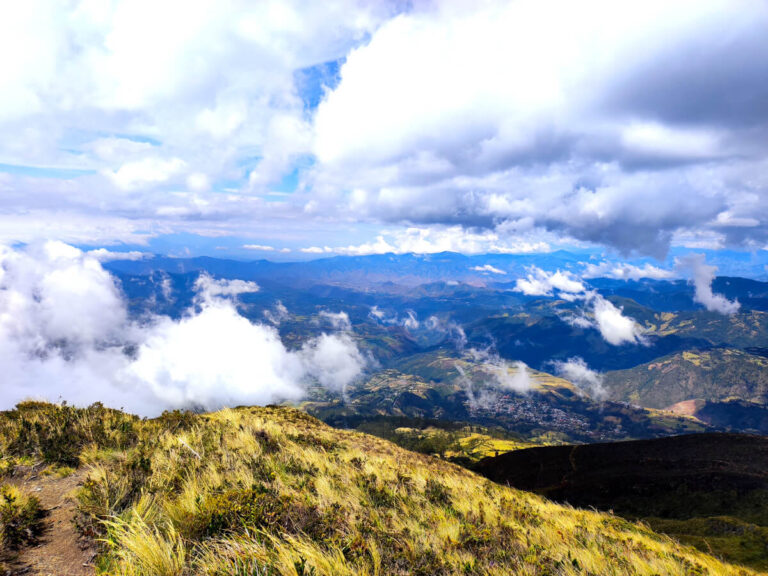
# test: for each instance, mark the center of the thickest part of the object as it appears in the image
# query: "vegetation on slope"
(20, 516)
(273, 491)
(709, 490)
(714, 374)
(457, 442)
(440, 385)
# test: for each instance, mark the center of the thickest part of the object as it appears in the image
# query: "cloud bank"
(65, 333)
(375, 126)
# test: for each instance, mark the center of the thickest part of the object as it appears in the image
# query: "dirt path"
(60, 552)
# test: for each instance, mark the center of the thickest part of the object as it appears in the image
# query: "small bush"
(58, 433)
(437, 493)
(20, 516)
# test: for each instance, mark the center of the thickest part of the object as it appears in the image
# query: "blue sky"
(290, 130)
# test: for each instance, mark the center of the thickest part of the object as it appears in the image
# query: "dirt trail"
(60, 551)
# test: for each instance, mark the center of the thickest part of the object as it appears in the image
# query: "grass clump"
(20, 517)
(58, 433)
(141, 548)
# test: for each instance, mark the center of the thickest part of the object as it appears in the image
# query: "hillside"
(458, 388)
(714, 374)
(708, 489)
(274, 491)
(729, 414)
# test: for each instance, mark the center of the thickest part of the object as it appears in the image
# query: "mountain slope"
(274, 491)
(446, 386)
(713, 374)
(699, 487)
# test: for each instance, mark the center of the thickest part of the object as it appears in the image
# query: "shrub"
(20, 516)
(437, 493)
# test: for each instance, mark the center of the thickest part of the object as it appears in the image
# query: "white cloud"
(337, 320)
(259, 247)
(614, 327)
(513, 377)
(578, 372)
(576, 124)
(409, 320)
(447, 328)
(431, 240)
(148, 171)
(215, 358)
(625, 271)
(703, 275)
(488, 268)
(65, 333)
(278, 314)
(542, 283)
(484, 127)
(209, 288)
(334, 360)
(104, 255)
(598, 313)
(198, 182)
(316, 250)
(504, 376)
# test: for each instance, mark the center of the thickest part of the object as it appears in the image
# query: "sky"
(289, 129)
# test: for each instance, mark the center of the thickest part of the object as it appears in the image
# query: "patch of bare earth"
(60, 551)
(684, 408)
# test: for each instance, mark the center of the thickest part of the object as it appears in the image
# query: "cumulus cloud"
(702, 277)
(104, 255)
(580, 125)
(597, 312)
(614, 327)
(337, 320)
(431, 240)
(334, 360)
(148, 171)
(128, 97)
(65, 333)
(602, 315)
(259, 247)
(625, 271)
(209, 288)
(474, 127)
(541, 283)
(488, 268)
(576, 371)
(316, 250)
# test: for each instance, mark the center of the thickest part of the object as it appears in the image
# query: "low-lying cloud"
(541, 283)
(576, 371)
(494, 375)
(65, 333)
(702, 276)
(600, 313)
(488, 268)
(614, 327)
(625, 271)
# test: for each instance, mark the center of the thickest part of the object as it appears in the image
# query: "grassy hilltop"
(257, 491)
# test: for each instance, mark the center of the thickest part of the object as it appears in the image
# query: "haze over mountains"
(468, 334)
